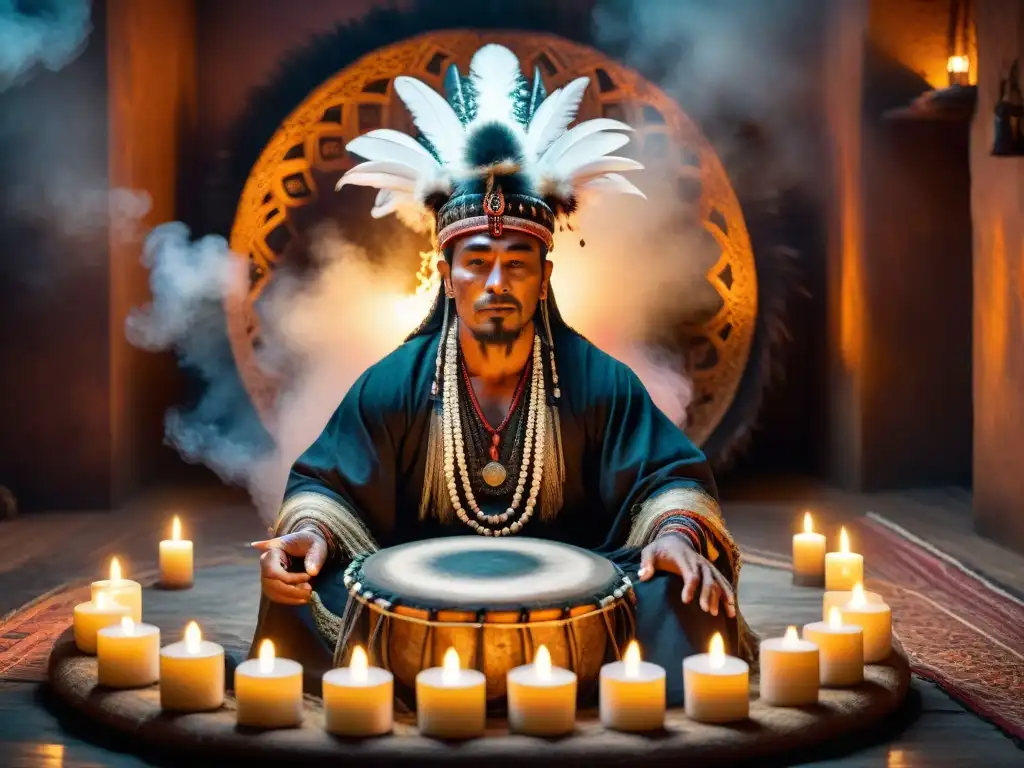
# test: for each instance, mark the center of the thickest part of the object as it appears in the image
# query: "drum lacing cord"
(571, 641)
(428, 653)
(525, 636)
(481, 617)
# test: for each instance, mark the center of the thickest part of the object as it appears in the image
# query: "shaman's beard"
(496, 333)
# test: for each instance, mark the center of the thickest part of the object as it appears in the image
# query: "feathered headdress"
(495, 155)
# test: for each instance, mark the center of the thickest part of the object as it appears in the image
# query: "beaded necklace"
(494, 473)
(455, 453)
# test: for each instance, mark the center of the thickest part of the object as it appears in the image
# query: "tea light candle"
(192, 674)
(175, 559)
(268, 691)
(358, 699)
(451, 702)
(128, 654)
(124, 591)
(632, 693)
(840, 649)
(809, 556)
(789, 671)
(874, 619)
(541, 698)
(93, 616)
(840, 598)
(716, 686)
(844, 568)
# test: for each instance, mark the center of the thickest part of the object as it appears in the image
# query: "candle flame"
(359, 664)
(844, 541)
(835, 618)
(790, 637)
(958, 64)
(716, 652)
(176, 529)
(127, 625)
(115, 569)
(808, 524)
(450, 666)
(631, 659)
(102, 601)
(193, 637)
(542, 663)
(858, 599)
(266, 657)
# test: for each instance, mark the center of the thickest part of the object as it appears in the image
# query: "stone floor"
(43, 551)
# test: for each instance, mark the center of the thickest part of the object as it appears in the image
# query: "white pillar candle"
(789, 671)
(176, 559)
(268, 691)
(875, 619)
(451, 703)
(840, 650)
(192, 674)
(93, 616)
(839, 598)
(809, 556)
(358, 699)
(121, 590)
(632, 693)
(716, 687)
(541, 698)
(844, 568)
(128, 655)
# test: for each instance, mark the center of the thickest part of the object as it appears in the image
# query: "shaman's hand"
(280, 584)
(674, 554)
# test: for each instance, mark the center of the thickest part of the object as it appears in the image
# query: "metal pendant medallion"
(494, 474)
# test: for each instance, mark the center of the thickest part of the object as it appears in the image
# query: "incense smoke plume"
(640, 275)
(45, 33)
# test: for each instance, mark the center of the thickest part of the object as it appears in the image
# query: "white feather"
(383, 196)
(389, 134)
(382, 166)
(613, 183)
(601, 166)
(587, 150)
(377, 148)
(494, 72)
(553, 116)
(378, 180)
(577, 132)
(434, 117)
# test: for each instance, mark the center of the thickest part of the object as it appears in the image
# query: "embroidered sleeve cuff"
(345, 533)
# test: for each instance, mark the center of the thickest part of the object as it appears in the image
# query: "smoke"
(742, 69)
(43, 33)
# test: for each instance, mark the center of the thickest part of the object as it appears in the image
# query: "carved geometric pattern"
(310, 144)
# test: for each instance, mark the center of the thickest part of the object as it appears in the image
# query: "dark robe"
(619, 451)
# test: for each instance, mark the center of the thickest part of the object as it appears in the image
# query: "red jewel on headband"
(494, 207)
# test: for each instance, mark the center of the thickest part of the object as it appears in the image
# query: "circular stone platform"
(224, 601)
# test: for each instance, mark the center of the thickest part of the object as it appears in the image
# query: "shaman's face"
(497, 283)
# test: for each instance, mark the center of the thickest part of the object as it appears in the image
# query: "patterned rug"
(959, 630)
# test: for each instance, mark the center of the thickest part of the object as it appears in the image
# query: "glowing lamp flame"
(958, 65)
(127, 625)
(858, 599)
(115, 569)
(266, 657)
(359, 664)
(542, 663)
(789, 640)
(844, 541)
(808, 523)
(176, 529)
(450, 666)
(631, 659)
(193, 637)
(716, 652)
(835, 618)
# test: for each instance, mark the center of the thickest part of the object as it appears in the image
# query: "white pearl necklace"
(455, 454)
